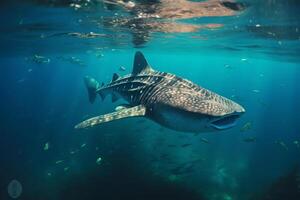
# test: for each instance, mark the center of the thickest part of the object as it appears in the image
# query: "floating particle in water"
(98, 161)
(29, 70)
(83, 145)
(257, 25)
(244, 59)
(46, 146)
(49, 174)
(14, 189)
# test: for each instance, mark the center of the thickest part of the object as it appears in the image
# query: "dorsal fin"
(140, 64)
(115, 77)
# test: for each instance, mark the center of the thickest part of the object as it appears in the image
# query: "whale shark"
(169, 100)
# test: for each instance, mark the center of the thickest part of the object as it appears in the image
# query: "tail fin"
(92, 87)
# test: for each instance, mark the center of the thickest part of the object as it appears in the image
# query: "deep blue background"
(41, 103)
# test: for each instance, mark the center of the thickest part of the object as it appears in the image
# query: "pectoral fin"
(136, 111)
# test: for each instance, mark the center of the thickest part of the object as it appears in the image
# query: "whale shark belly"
(181, 120)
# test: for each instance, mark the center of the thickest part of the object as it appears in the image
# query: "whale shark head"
(223, 113)
(227, 121)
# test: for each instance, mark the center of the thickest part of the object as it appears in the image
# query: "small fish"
(74, 151)
(256, 91)
(46, 146)
(75, 6)
(122, 68)
(186, 145)
(99, 55)
(250, 139)
(204, 140)
(98, 161)
(296, 142)
(66, 169)
(246, 127)
(59, 161)
(21, 80)
(282, 144)
(40, 59)
(73, 60)
(226, 66)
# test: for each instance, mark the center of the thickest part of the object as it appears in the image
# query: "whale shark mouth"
(225, 122)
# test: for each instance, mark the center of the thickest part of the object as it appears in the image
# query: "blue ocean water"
(47, 47)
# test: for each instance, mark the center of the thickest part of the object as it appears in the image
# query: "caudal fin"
(92, 86)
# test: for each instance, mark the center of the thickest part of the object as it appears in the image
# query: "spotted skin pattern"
(123, 113)
(159, 87)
